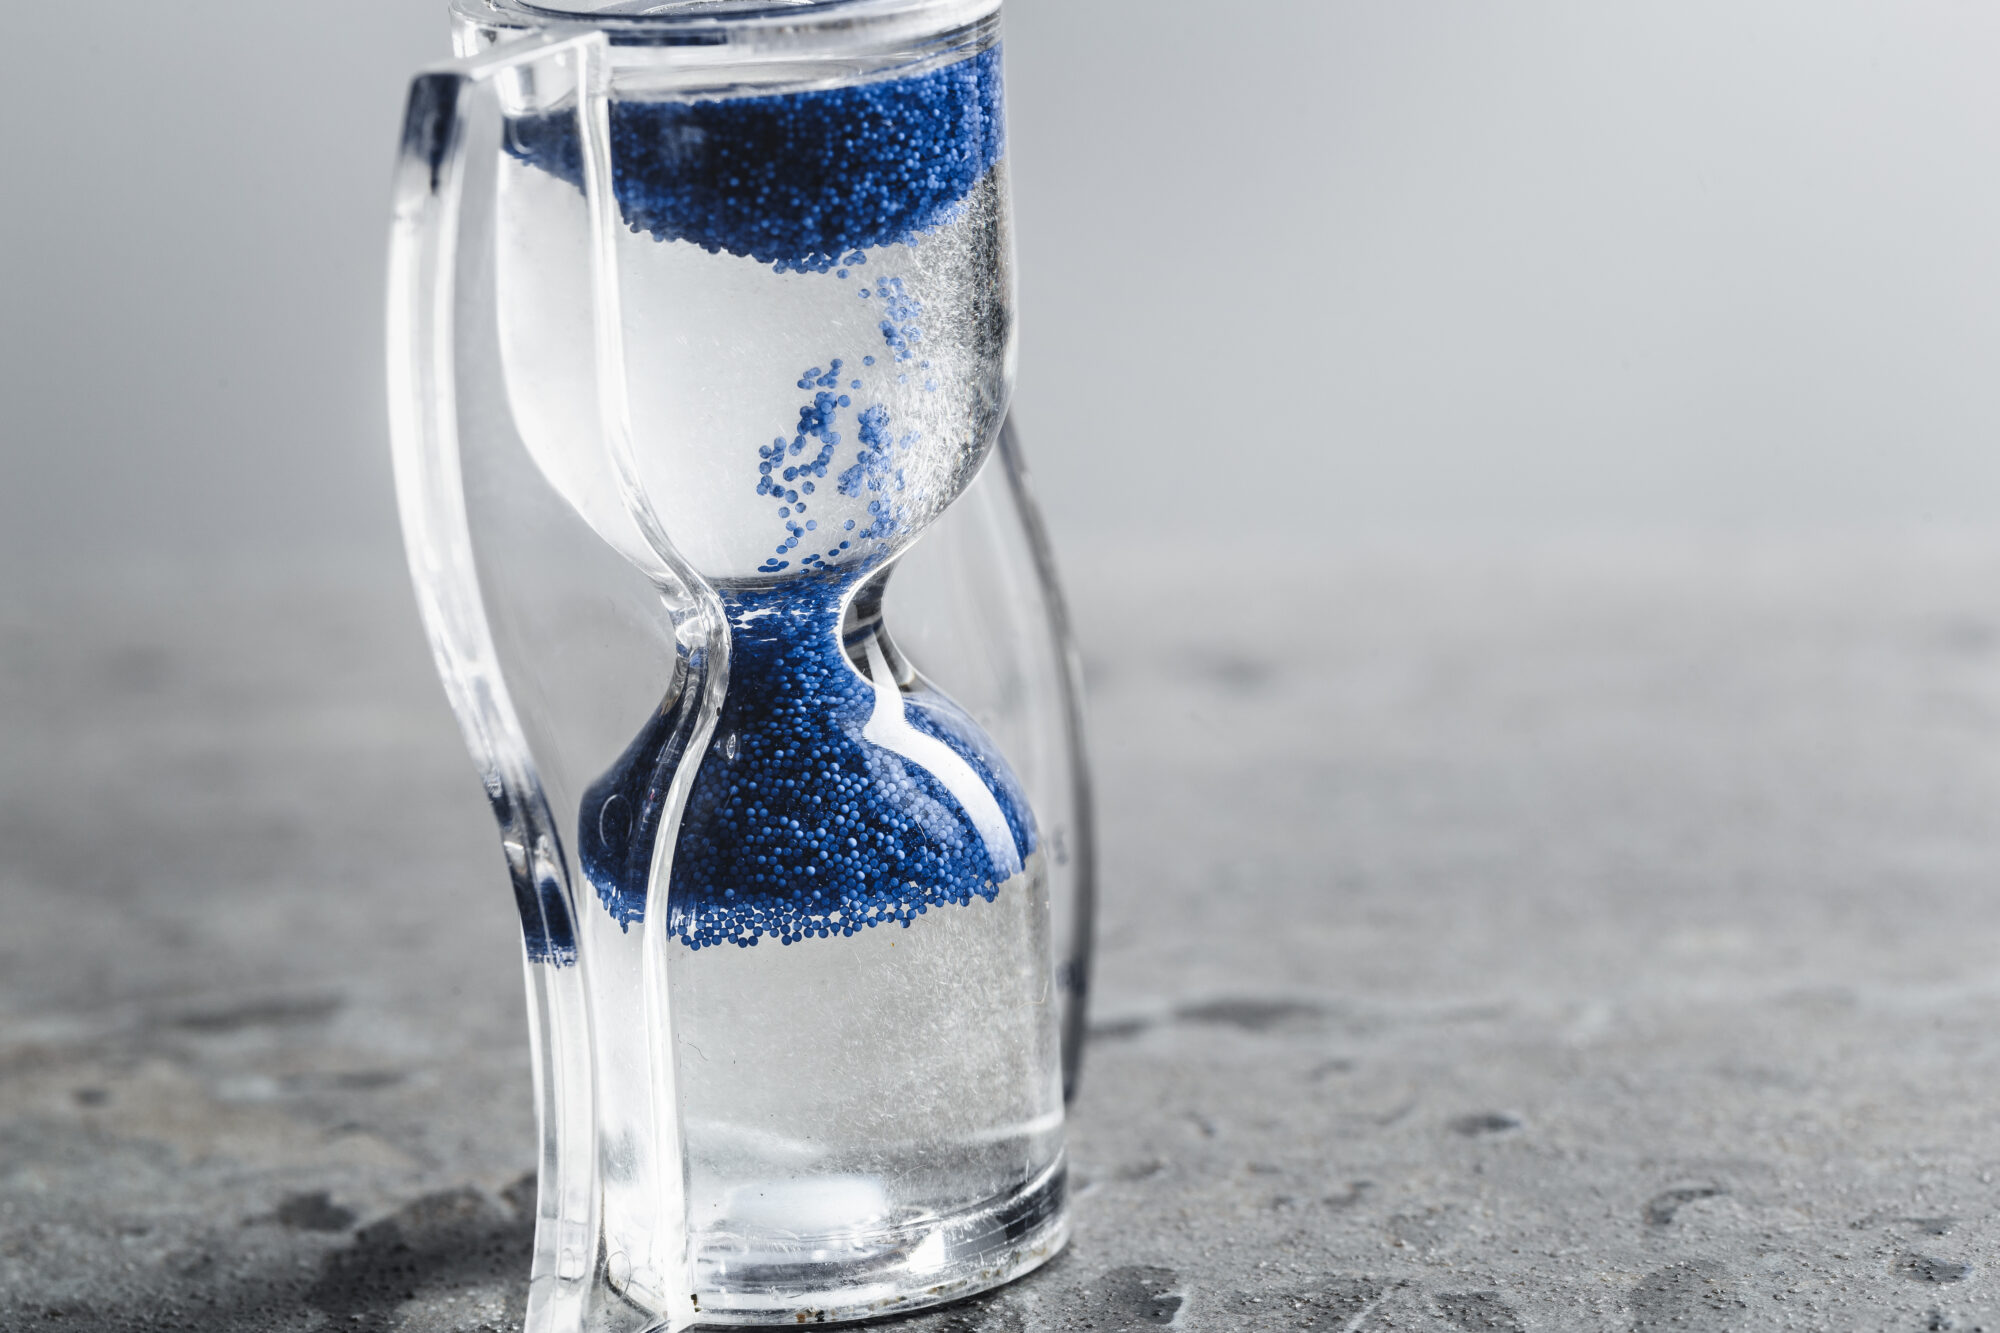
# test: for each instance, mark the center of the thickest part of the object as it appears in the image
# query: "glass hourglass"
(701, 316)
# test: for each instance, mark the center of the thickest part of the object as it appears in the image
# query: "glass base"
(771, 1277)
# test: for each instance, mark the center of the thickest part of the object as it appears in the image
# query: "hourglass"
(701, 317)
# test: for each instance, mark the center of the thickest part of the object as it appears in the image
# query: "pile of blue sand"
(795, 180)
(797, 826)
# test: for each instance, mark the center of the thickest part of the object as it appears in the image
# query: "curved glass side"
(979, 606)
(554, 650)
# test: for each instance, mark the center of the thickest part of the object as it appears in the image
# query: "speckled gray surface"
(1593, 938)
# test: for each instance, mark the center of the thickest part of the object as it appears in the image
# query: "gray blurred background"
(1306, 270)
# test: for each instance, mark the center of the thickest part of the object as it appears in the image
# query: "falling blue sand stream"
(830, 800)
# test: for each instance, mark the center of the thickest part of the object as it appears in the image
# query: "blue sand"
(797, 826)
(796, 180)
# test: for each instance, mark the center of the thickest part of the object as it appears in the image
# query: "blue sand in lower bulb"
(797, 825)
(796, 180)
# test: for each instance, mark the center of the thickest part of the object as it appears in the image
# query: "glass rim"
(691, 17)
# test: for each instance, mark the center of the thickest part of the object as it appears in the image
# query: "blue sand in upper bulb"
(796, 180)
(800, 825)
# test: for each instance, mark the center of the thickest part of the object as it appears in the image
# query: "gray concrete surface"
(1598, 937)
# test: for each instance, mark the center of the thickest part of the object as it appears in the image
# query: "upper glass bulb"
(813, 302)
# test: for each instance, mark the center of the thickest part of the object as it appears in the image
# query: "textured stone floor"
(1597, 938)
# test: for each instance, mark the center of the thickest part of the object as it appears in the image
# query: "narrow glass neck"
(772, 626)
